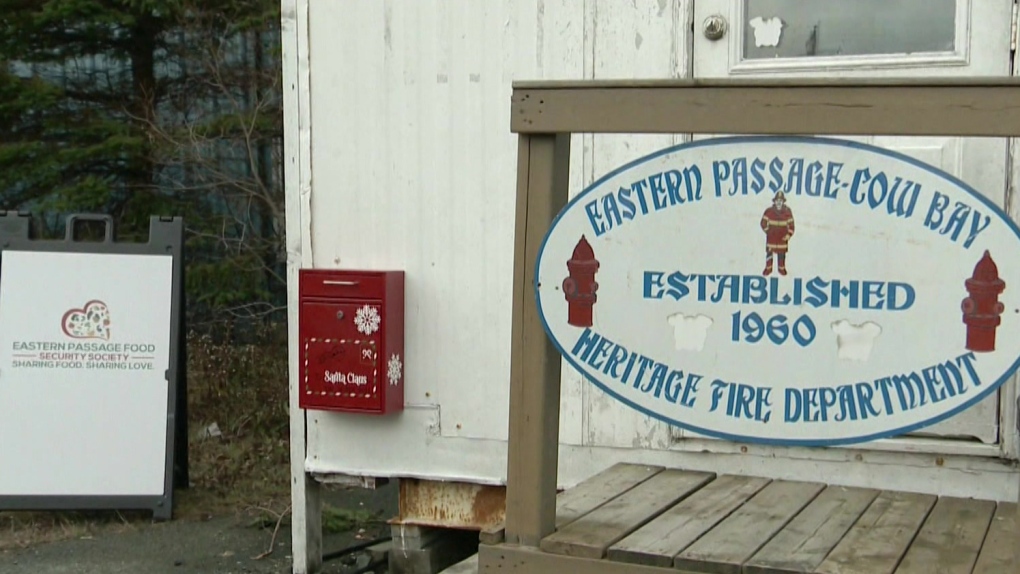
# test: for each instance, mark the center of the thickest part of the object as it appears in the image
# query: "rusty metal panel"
(451, 504)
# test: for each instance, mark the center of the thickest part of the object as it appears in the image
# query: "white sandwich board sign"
(785, 290)
(91, 369)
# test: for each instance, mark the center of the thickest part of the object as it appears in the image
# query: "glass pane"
(806, 28)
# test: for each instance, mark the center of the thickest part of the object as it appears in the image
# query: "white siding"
(413, 167)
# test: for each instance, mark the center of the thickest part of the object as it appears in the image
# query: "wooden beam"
(989, 108)
(503, 559)
(542, 191)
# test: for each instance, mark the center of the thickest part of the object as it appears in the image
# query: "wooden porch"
(634, 519)
(637, 519)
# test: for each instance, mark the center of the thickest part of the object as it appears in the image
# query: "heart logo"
(92, 321)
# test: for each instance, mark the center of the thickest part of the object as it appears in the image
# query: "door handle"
(715, 27)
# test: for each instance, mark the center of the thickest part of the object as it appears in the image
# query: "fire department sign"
(785, 290)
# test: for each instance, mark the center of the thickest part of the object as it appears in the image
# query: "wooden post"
(543, 166)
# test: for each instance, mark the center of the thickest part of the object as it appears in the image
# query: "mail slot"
(351, 337)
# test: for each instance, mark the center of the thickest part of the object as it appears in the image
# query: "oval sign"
(785, 290)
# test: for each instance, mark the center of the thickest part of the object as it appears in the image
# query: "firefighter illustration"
(777, 223)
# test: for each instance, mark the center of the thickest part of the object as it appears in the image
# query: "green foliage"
(142, 107)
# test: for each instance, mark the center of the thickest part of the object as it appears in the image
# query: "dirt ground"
(223, 544)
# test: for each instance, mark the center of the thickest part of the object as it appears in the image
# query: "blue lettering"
(895, 295)
(718, 388)
(792, 409)
(861, 177)
(776, 171)
(936, 211)
(827, 400)
(629, 368)
(690, 390)
(585, 344)
(692, 179)
(653, 279)
(720, 173)
(810, 405)
(673, 181)
(864, 395)
(847, 404)
(742, 401)
(673, 386)
(774, 293)
(851, 292)
(898, 205)
(934, 386)
(795, 181)
(832, 182)
(881, 183)
(883, 385)
(966, 361)
(612, 212)
(813, 185)
(873, 297)
(754, 290)
(659, 197)
(623, 197)
(638, 187)
(910, 391)
(594, 217)
(739, 176)
(615, 358)
(601, 352)
(757, 177)
(678, 285)
(818, 296)
(727, 282)
(657, 380)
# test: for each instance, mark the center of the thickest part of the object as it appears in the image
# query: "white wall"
(413, 166)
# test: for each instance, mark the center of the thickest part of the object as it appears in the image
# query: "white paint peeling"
(854, 342)
(767, 31)
(689, 332)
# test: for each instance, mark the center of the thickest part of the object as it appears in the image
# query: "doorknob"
(715, 27)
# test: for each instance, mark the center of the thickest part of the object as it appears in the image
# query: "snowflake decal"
(367, 319)
(393, 369)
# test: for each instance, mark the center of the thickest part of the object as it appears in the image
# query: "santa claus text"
(859, 186)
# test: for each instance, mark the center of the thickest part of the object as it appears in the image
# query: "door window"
(820, 28)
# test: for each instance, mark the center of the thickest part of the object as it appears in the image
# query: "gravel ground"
(221, 545)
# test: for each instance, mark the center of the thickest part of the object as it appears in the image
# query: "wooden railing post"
(543, 166)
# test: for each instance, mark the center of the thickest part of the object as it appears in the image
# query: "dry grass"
(245, 472)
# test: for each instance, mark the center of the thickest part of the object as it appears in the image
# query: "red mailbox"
(351, 337)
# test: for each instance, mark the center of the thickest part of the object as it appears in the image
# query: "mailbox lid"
(340, 349)
(332, 283)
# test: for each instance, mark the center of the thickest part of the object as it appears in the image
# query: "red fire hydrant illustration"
(982, 310)
(579, 287)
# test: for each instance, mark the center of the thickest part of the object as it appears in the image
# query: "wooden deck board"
(590, 535)
(1000, 554)
(659, 541)
(881, 536)
(597, 490)
(950, 540)
(805, 542)
(725, 548)
(637, 518)
(586, 496)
